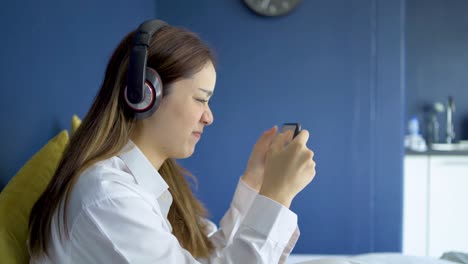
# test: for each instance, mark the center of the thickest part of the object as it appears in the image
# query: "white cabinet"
(435, 205)
(415, 205)
(448, 205)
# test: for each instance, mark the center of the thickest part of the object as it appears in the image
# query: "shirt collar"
(142, 169)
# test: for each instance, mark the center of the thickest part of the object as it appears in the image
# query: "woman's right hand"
(289, 167)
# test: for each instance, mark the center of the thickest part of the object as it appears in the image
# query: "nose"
(207, 117)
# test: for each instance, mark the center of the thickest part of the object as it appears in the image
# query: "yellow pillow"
(18, 197)
(75, 123)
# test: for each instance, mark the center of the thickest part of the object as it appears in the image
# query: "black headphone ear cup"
(151, 97)
(153, 80)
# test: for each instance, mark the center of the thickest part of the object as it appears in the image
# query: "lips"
(197, 134)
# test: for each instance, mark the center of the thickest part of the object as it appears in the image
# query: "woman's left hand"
(253, 175)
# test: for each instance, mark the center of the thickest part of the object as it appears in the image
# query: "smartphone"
(296, 127)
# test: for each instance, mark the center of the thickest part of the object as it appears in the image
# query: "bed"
(371, 258)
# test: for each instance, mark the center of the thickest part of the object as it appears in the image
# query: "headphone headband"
(146, 30)
(138, 59)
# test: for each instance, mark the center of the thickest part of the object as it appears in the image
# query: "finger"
(273, 129)
(307, 155)
(289, 135)
(267, 137)
(279, 140)
(312, 164)
(302, 137)
(311, 169)
(275, 143)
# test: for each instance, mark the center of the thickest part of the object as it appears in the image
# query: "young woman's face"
(177, 125)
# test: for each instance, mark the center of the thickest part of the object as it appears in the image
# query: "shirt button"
(165, 197)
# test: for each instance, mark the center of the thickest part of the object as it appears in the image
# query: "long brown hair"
(175, 53)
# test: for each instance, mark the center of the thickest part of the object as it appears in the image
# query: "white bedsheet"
(372, 258)
(301, 258)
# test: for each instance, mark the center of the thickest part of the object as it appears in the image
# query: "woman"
(118, 196)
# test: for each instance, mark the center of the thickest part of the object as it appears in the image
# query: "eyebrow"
(209, 93)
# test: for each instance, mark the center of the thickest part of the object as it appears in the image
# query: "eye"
(202, 100)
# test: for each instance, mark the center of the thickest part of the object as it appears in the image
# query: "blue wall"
(437, 61)
(53, 58)
(336, 66)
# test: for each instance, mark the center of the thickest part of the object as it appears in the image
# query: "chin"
(184, 154)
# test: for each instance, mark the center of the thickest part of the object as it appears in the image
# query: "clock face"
(272, 7)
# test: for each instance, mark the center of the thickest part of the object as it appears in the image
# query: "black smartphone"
(296, 127)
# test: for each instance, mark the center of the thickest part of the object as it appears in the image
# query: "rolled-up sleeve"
(260, 215)
(241, 204)
(232, 219)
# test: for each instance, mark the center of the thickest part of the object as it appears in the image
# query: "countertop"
(431, 152)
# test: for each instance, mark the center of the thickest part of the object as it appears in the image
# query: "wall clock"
(272, 7)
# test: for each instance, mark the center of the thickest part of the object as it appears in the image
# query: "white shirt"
(118, 209)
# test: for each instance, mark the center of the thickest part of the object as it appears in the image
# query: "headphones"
(143, 92)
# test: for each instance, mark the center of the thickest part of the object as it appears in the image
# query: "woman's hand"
(253, 175)
(289, 167)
